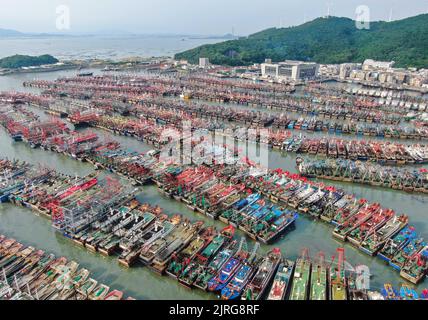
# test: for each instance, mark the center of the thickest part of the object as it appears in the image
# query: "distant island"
(21, 61)
(329, 40)
(10, 33)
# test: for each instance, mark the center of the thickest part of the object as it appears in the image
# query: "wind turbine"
(329, 4)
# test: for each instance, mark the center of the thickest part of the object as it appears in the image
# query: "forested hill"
(19, 61)
(326, 40)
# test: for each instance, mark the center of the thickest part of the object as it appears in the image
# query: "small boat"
(302, 274)
(236, 285)
(408, 293)
(338, 277)
(281, 281)
(396, 243)
(86, 289)
(228, 271)
(99, 292)
(225, 275)
(210, 272)
(258, 285)
(114, 295)
(318, 280)
(389, 292)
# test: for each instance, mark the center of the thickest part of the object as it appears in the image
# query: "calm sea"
(104, 47)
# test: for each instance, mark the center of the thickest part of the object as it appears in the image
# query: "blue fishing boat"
(408, 293)
(225, 275)
(408, 251)
(244, 203)
(234, 288)
(281, 220)
(396, 243)
(389, 292)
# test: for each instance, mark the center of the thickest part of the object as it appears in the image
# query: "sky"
(217, 17)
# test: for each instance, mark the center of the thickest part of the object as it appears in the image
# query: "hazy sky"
(190, 16)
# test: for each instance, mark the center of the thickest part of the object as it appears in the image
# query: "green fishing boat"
(198, 264)
(302, 273)
(319, 280)
(338, 277)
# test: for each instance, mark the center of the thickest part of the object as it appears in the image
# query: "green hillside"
(19, 61)
(326, 40)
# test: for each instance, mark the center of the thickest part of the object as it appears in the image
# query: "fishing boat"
(338, 277)
(375, 241)
(407, 252)
(302, 273)
(153, 240)
(397, 242)
(275, 225)
(173, 243)
(209, 273)
(416, 267)
(369, 226)
(228, 216)
(408, 293)
(389, 292)
(229, 269)
(233, 290)
(282, 281)
(99, 293)
(341, 232)
(198, 265)
(114, 295)
(318, 289)
(86, 289)
(225, 275)
(256, 288)
(181, 260)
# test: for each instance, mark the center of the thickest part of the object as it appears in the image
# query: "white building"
(347, 68)
(370, 64)
(204, 62)
(290, 70)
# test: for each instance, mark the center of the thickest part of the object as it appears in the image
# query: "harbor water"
(140, 282)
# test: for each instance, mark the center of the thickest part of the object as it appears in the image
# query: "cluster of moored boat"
(375, 151)
(256, 201)
(365, 173)
(263, 204)
(267, 95)
(27, 273)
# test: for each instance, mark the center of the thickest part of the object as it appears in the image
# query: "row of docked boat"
(301, 196)
(213, 262)
(297, 194)
(374, 151)
(263, 222)
(202, 190)
(367, 226)
(405, 292)
(391, 98)
(130, 87)
(31, 274)
(174, 113)
(172, 245)
(365, 173)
